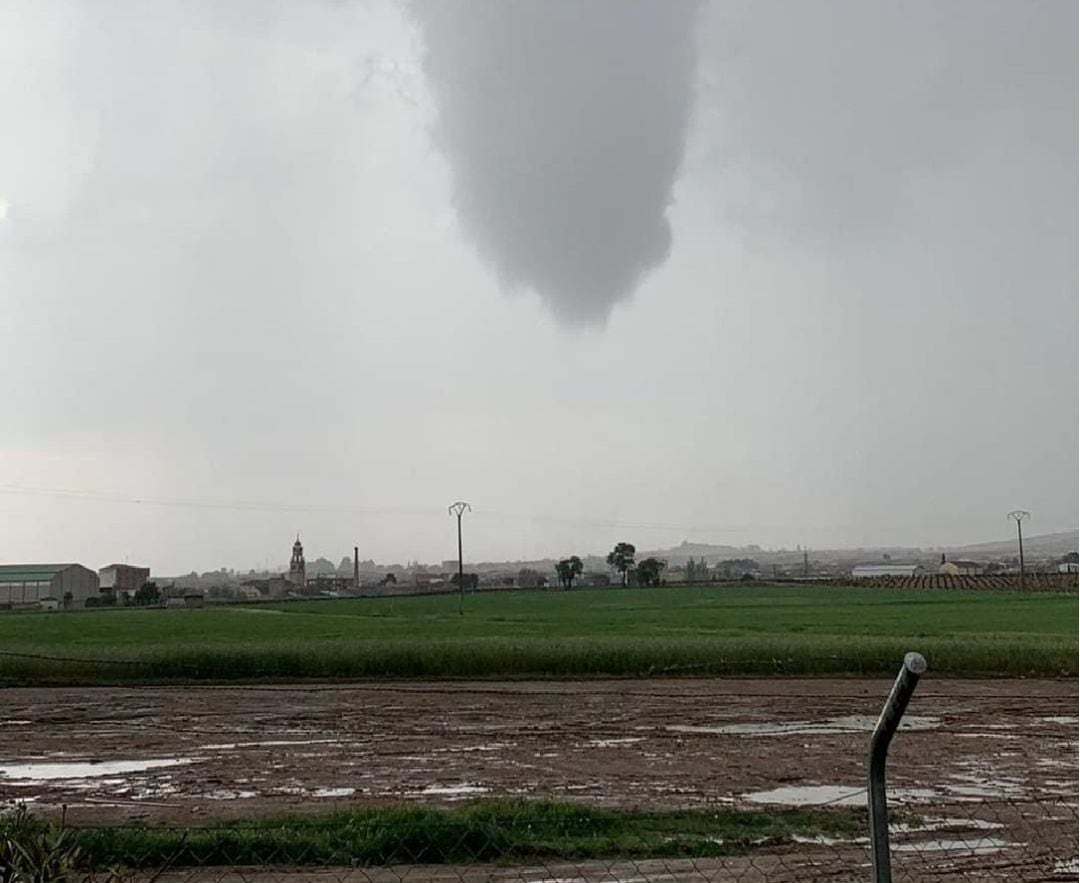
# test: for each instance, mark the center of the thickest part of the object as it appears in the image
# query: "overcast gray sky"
(769, 272)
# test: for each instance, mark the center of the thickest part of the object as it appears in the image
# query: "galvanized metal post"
(910, 672)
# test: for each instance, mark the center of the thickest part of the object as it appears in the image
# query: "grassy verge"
(489, 831)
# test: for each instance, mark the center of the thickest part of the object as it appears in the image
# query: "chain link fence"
(988, 840)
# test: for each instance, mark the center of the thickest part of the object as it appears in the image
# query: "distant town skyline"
(326, 533)
(652, 538)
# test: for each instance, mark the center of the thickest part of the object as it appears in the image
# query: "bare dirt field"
(993, 762)
(194, 753)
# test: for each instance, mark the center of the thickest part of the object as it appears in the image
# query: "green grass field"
(742, 629)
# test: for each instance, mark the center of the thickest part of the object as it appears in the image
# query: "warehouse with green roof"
(28, 585)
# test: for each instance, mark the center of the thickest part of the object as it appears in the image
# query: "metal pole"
(459, 509)
(910, 672)
(1020, 543)
(1019, 515)
(460, 570)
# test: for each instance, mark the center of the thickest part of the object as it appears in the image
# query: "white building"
(959, 568)
(889, 568)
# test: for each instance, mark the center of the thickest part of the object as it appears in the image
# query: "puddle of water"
(975, 824)
(832, 795)
(982, 846)
(43, 772)
(928, 824)
(985, 736)
(491, 746)
(979, 785)
(271, 743)
(851, 723)
(454, 790)
(614, 743)
(866, 723)
(1061, 787)
(1054, 762)
(822, 840)
(809, 795)
(333, 792)
(1061, 720)
(7, 805)
(15, 723)
(226, 794)
(566, 880)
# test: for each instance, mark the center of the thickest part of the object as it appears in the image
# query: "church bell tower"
(296, 564)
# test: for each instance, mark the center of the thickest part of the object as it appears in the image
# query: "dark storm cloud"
(564, 125)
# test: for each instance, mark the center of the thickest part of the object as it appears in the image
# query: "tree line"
(621, 558)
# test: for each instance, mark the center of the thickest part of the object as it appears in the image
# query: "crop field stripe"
(760, 630)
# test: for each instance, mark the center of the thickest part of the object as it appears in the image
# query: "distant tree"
(472, 581)
(568, 570)
(221, 592)
(320, 565)
(1070, 558)
(345, 568)
(648, 572)
(622, 558)
(388, 580)
(147, 594)
(528, 578)
(737, 566)
(696, 571)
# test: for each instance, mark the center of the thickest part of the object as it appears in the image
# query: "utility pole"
(805, 563)
(459, 508)
(1019, 515)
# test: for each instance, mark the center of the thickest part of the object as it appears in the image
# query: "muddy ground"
(229, 751)
(990, 762)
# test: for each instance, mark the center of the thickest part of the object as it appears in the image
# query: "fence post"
(910, 672)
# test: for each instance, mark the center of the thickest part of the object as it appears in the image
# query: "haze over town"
(309, 270)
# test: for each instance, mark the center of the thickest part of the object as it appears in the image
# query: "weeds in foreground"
(33, 851)
(490, 831)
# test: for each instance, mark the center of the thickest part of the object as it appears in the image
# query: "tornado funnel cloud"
(564, 125)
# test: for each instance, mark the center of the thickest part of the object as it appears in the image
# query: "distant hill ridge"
(1040, 544)
(1047, 543)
